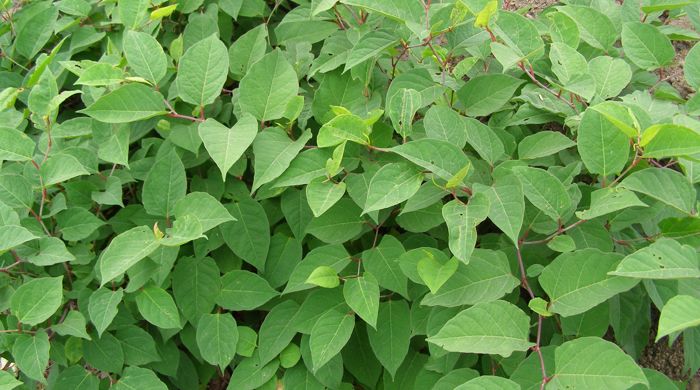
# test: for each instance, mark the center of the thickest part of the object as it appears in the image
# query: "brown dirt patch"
(675, 71)
(535, 5)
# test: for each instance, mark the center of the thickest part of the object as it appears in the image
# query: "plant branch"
(531, 74)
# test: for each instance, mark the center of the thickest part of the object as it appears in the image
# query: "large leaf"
(165, 184)
(391, 338)
(244, 290)
(224, 145)
(158, 308)
(586, 363)
(667, 140)
(129, 103)
(268, 86)
(602, 147)
(31, 353)
(664, 259)
(646, 46)
(544, 191)
(608, 200)
(678, 314)
(102, 307)
(196, 286)
(472, 330)
(274, 151)
(329, 335)
(486, 94)
(217, 336)
(145, 56)
(249, 235)
(37, 300)
(437, 156)
(362, 295)
(578, 281)
(202, 71)
(392, 184)
(665, 185)
(15, 145)
(124, 251)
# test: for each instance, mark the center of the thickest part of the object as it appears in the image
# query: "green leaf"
(196, 286)
(484, 140)
(247, 50)
(392, 184)
(268, 86)
(100, 74)
(678, 314)
(668, 140)
(402, 108)
(382, 262)
(507, 204)
(145, 56)
(323, 276)
(611, 75)
(691, 68)
(139, 378)
(390, 340)
(290, 356)
(519, 34)
(12, 236)
(444, 123)
(486, 278)
(620, 116)
(29, 39)
(578, 281)
(370, 45)
(8, 381)
(129, 103)
(61, 167)
(406, 13)
(158, 308)
(102, 307)
(72, 325)
(436, 274)
(334, 256)
(217, 336)
(277, 330)
(104, 353)
(472, 330)
(543, 144)
(665, 185)
(344, 127)
(224, 145)
(329, 335)
(609, 200)
(539, 306)
(489, 382)
(244, 290)
(339, 224)
(249, 235)
(16, 191)
(15, 145)
(486, 94)
(202, 71)
(602, 147)
(165, 184)
(646, 46)
(585, 362)
(37, 300)
(544, 190)
(461, 220)
(76, 378)
(132, 12)
(362, 295)
(138, 345)
(439, 157)
(595, 28)
(322, 194)
(664, 259)
(251, 373)
(124, 251)
(31, 354)
(274, 151)
(205, 208)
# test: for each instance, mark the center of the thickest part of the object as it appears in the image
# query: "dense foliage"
(393, 194)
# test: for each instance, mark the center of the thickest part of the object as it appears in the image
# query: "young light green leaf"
(669, 140)
(217, 336)
(129, 103)
(158, 308)
(664, 259)
(467, 332)
(324, 276)
(329, 335)
(439, 157)
(461, 220)
(585, 362)
(224, 145)
(202, 71)
(268, 86)
(344, 127)
(436, 274)
(37, 300)
(362, 295)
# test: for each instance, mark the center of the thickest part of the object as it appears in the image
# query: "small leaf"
(124, 251)
(392, 184)
(102, 307)
(485, 94)
(37, 300)
(322, 194)
(268, 86)
(436, 274)
(324, 276)
(202, 71)
(164, 185)
(544, 190)
(539, 306)
(664, 259)
(145, 56)
(139, 378)
(461, 220)
(31, 354)
(609, 200)
(362, 295)
(328, 336)
(15, 145)
(244, 290)
(158, 308)
(224, 145)
(543, 144)
(217, 336)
